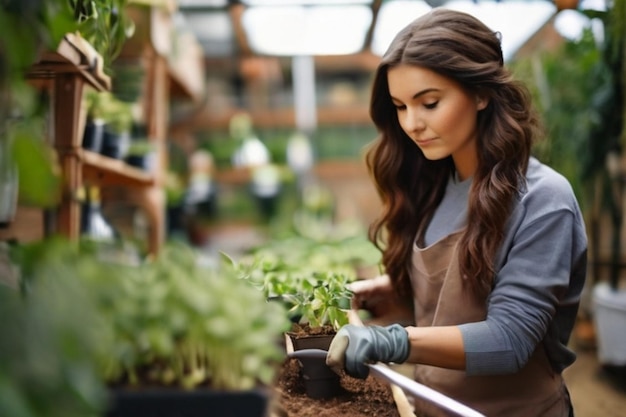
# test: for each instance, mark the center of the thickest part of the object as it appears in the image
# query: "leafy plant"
(105, 25)
(54, 341)
(178, 323)
(586, 123)
(171, 320)
(309, 276)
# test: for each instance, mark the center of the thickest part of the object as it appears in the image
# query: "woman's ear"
(481, 102)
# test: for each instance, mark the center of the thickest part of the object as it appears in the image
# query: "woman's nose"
(413, 122)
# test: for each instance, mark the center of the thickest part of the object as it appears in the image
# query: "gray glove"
(355, 346)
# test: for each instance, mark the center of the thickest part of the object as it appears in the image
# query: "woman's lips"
(425, 142)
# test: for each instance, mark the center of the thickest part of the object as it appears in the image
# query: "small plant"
(315, 298)
(310, 277)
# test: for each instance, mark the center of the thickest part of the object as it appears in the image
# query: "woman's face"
(437, 114)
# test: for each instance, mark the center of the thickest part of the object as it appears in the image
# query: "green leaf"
(39, 179)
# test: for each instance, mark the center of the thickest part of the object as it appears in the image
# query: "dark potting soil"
(358, 397)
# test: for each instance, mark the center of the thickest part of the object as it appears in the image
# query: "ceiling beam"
(236, 10)
(369, 36)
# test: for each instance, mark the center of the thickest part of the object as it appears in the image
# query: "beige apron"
(440, 300)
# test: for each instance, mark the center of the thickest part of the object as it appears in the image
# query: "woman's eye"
(431, 106)
(400, 107)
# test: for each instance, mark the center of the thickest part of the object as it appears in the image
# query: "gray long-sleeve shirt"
(541, 270)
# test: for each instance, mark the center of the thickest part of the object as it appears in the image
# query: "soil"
(358, 397)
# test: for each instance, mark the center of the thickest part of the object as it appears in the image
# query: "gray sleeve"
(529, 289)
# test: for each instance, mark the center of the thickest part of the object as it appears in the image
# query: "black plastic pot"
(144, 161)
(199, 402)
(320, 381)
(93, 134)
(115, 145)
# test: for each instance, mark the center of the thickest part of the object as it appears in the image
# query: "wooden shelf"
(106, 171)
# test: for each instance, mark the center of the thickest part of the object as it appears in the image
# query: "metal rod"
(422, 391)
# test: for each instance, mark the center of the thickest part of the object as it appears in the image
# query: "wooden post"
(68, 91)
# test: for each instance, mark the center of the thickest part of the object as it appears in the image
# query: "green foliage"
(178, 323)
(309, 276)
(53, 340)
(116, 113)
(169, 321)
(569, 86)
(105, 25)
(39, 181)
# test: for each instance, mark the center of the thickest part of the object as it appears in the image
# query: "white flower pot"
(609, 308)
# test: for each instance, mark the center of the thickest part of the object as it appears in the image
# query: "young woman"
(484, 247)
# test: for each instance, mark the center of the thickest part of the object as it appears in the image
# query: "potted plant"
(317, 304)
(141, 154)
(310, 278)
(119, 120)
(174, 336)
(609, 298)
(94, 124)
(179, 330)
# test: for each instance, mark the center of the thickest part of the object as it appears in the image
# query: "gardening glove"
(353, 347)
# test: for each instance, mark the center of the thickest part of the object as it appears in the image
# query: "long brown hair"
(456, 45)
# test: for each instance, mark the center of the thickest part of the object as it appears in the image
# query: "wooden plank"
(102, 170)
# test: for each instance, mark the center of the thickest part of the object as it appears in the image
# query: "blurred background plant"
(54, 341)
(579, 89)
(27, 28)
(81, 324)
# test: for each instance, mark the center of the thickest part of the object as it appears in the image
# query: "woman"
(483, 246)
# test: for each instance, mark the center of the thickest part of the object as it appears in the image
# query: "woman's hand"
(377, 296)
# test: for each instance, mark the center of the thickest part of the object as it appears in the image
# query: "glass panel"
(214, 31)
(318, 30)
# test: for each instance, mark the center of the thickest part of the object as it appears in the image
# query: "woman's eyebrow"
(419, 93)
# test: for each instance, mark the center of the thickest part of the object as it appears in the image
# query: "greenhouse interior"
(186, 185)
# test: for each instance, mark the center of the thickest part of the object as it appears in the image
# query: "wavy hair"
(456, 45)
